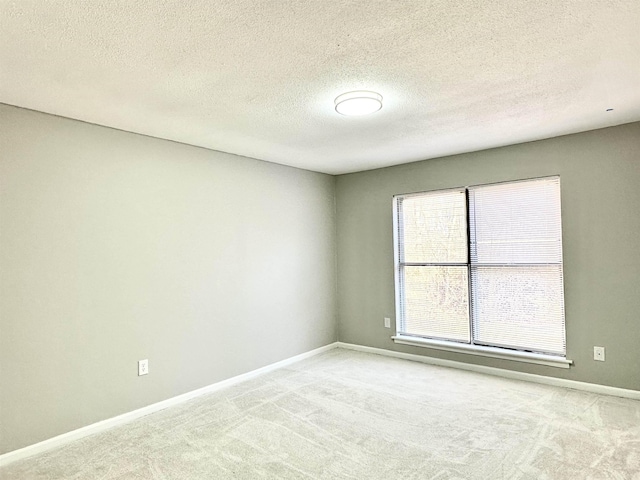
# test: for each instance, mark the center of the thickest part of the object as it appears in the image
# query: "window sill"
(493, 352)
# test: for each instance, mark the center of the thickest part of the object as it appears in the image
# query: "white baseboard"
(529, 377)
(103, 425)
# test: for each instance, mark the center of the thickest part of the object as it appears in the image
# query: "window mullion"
(439, 264)
(470, 291)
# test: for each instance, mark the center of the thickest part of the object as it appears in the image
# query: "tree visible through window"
(483, 265)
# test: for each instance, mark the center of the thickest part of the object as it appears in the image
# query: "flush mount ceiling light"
(358, 103)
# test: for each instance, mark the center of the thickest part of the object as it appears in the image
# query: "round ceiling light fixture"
(360, 102)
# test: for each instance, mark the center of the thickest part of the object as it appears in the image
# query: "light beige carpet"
(352, 415)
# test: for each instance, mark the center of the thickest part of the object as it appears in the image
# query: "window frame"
(452, 345)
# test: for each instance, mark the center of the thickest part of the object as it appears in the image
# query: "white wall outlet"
(387, 322)
(598, 353)
(143, 367)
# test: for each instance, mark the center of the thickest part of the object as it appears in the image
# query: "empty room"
(319, 240)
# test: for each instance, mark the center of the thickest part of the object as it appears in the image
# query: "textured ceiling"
(258, 78)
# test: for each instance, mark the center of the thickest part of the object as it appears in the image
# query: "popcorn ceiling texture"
(258, 78)
(353, 415)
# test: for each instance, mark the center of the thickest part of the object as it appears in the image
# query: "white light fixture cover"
(358, 103)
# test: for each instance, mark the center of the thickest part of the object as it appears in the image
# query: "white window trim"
(493, 352)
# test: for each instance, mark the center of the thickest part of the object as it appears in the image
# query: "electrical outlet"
(143, 367)
(387, 322)
(598, 353)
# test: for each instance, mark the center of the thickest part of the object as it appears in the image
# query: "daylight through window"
(482, 265)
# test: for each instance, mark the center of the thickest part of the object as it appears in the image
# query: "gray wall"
(600, 181)
(117, 247)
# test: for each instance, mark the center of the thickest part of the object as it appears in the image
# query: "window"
(481, 267)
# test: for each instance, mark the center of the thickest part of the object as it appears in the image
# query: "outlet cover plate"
(598, 353)
(143, 367)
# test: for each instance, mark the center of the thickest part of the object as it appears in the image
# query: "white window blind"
(516, 265)
(483, 265)
(434, 227)
(433, 265)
